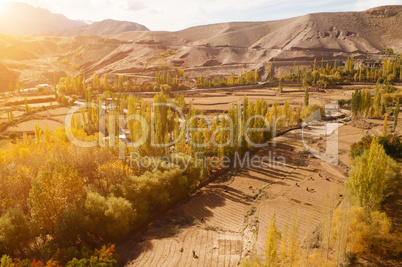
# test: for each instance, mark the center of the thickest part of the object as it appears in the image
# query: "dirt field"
(232, 214)
(29, 126)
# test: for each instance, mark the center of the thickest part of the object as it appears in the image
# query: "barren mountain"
(105, 27)
(21, 18)
(212, 49)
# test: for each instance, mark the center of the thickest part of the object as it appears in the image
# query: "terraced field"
(229, 218)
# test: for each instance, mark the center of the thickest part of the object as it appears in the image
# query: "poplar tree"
(396, 113)
(293, 241)
(256, 76)
(356, 103)
(385, 126)
(270, 244)
(105, 82)
(306, 97)
(283, 253)
(315, 65)
(374, 176)
(37, 133)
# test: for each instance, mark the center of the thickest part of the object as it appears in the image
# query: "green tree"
(315, 65)
(14, 231)
(119, 215)
(396, 113)
(306, 97)
(356, 103)
(280, 88)
(389, 51)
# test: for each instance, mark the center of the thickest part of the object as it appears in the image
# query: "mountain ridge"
(104, 27)
(222, 49)
(23, 19)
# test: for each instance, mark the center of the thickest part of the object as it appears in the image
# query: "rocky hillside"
(220, 48)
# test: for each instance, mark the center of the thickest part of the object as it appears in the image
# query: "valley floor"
(232, 214)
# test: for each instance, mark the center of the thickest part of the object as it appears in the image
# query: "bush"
(106, 257)
(165, 89)
(14, 135)
(392, 145)
(341, 102)
(14, 231)
(313, 112)
(367, 230)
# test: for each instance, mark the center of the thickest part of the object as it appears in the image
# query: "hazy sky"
(175, 15)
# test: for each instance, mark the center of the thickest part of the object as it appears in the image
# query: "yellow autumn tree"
(52, 193)
(37, 133)
(290, 245)
(366, 230)
(271, 243)
(374, 177)
(385, 126)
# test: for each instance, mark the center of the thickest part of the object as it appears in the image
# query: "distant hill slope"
(322, 35)
(223, 48)
(105, 27)
(24, 19)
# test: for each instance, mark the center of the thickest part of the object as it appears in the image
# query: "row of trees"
(327, 74)
(15, 87)
(366, 106)
(214, 132)
(248, 77)
(365, 226)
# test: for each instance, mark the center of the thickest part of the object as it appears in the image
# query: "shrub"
(14, 231)
(392, 145)
(366, 232)
(341, 102)
(14, 135)
(313, 112)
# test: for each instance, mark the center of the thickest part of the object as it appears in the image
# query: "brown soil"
(233, 207)
(29, 126)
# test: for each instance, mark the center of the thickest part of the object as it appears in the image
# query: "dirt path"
(232, 214)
